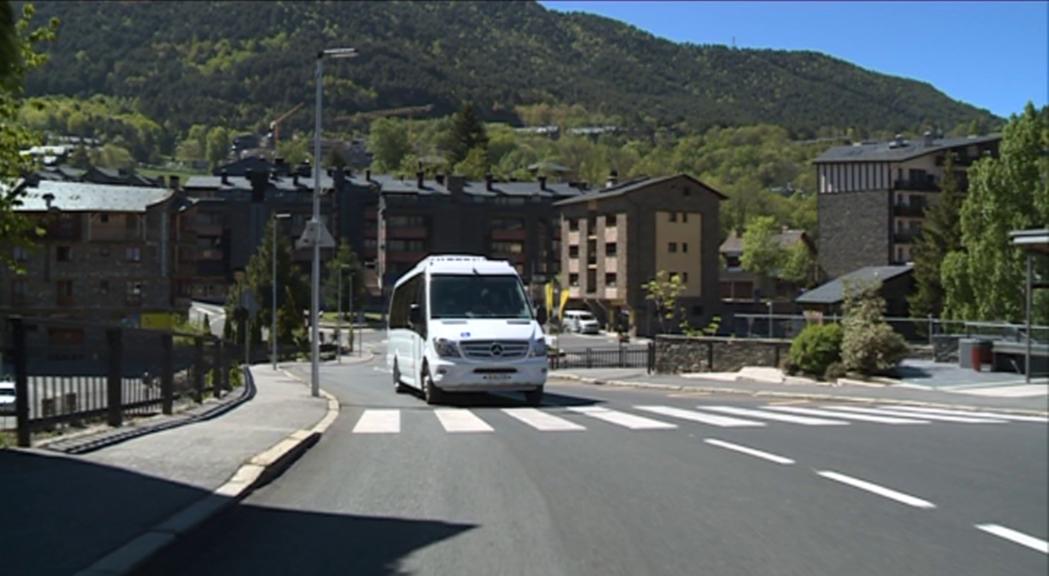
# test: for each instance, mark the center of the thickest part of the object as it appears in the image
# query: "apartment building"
(617, 238)
(514, 221)
(873, 195)
(107, 256)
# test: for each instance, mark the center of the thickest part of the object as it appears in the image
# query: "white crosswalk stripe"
(542, 421)
(712, 419)
(803, 420)
(921, 411)
(379, 422)
(623, 419)
(848, 416)
(939, 417)
(461, 420)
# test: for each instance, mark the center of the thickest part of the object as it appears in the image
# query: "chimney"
(368, 174)
(280, 166)
(419, 179)
(295, 179)
(488, 181)
(440, 179)
(259, 182)
(225, 176)
(455, 185)
(613, 177)
(542, 183)
(173, 183)
(927, 138)
(48, 199)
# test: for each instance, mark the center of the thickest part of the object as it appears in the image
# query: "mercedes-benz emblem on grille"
(497, 350)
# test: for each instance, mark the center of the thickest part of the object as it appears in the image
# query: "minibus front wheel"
(431, 392)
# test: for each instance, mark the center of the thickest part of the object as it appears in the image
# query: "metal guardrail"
(69, 373)
(621, 357)
(913, 329)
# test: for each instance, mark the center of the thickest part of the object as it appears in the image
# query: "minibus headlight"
(446, 348)
(539, 347)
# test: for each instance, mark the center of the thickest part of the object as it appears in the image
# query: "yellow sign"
(549, 292)
(561, 306)
(157, 320)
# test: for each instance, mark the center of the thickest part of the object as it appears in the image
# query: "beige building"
(617, 238)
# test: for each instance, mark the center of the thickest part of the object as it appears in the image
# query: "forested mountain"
(240, 63)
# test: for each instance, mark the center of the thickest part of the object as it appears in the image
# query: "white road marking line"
(875, 489)
(712, 419)
(379, 422)
(1026, 391)
(1016, 537)
(939, 417)
(622, 418)
(846, 416)
(461, 420)
(922, 411)
(749, 451)
(541, 420)
(383, 370)
(803, 420)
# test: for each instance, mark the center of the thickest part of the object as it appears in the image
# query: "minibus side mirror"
(415, 315)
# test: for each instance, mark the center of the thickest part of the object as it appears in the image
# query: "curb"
(257, 472)
(793, 395)
(91, 445)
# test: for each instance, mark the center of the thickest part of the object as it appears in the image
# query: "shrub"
(816, 347)
(869, 345)
(834, 371)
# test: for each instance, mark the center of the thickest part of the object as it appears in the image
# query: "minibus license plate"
(497, 377)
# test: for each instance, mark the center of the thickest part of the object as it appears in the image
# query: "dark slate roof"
(285, 183)
(833, 292)
(390, 184)
(88, 197)
(888, 152)
(631, 186)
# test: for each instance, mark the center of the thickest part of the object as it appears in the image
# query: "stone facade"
(854, 231)
(680, 354)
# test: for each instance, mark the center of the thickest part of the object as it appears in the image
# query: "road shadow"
(251, 539)
(504, 400)
(60, 514)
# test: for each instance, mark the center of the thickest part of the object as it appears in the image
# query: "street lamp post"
(315, 289)
(273, 325)
(338, 318)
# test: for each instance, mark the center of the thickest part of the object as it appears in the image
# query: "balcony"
(512, 234)
(573, 264)
(611, 293)
(909, 210)
(928, 185)
(408, 233)
(611, 234)
(573, 237)
(906, 236)
(611, 264)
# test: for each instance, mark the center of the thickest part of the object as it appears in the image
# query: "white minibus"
(464, 323)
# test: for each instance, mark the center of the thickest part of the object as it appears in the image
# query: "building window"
(103, 218)
(405, 246)
(62, 253)
(697, 310)
(591, 280)
(507, 224)
(573, 280)
(405, 222)
(591, 225)
(684, 246)
(499, 247)
(64, 293)
(20, 254)
(591, 251)
(673, 216)
(610, 221)
(672, 247)
(573, 251)
(573, 224)
(611, 249)
(684, 216)
(103, 287)
(133, 254)
(134, 292)
(684, 277)
(610, 280)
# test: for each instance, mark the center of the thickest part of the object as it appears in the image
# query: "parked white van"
(463, 323)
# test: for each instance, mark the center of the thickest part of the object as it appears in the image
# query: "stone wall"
(677, 354)
(854, 231)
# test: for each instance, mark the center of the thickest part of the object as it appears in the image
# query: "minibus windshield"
(475, 296)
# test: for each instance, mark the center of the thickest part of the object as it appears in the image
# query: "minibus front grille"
(495, 349)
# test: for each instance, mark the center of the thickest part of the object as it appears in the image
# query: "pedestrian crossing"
(647, 417)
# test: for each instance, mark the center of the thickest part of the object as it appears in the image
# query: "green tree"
(475, 165)
(294, 151)
(111, 156)
(18, 42)
(762, 253)
(467, 132)
(346, 262)
(799, 267)
(388, 143)
(189, 151)
(80, 159)
(218, 143)
(663, 292)
(941, 235)
(868, 344)
(984, 280)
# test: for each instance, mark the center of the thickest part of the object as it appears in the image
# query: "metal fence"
(67, 374)
(915, 330)
(621, 357)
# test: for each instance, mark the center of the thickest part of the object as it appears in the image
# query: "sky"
(993, 55)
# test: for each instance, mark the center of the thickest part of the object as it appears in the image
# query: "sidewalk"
(816, 391)
(65, 513)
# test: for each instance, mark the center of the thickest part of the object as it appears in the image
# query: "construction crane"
(408, 111)
(275, 124)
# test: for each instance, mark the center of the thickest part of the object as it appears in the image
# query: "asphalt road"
(615, 494)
